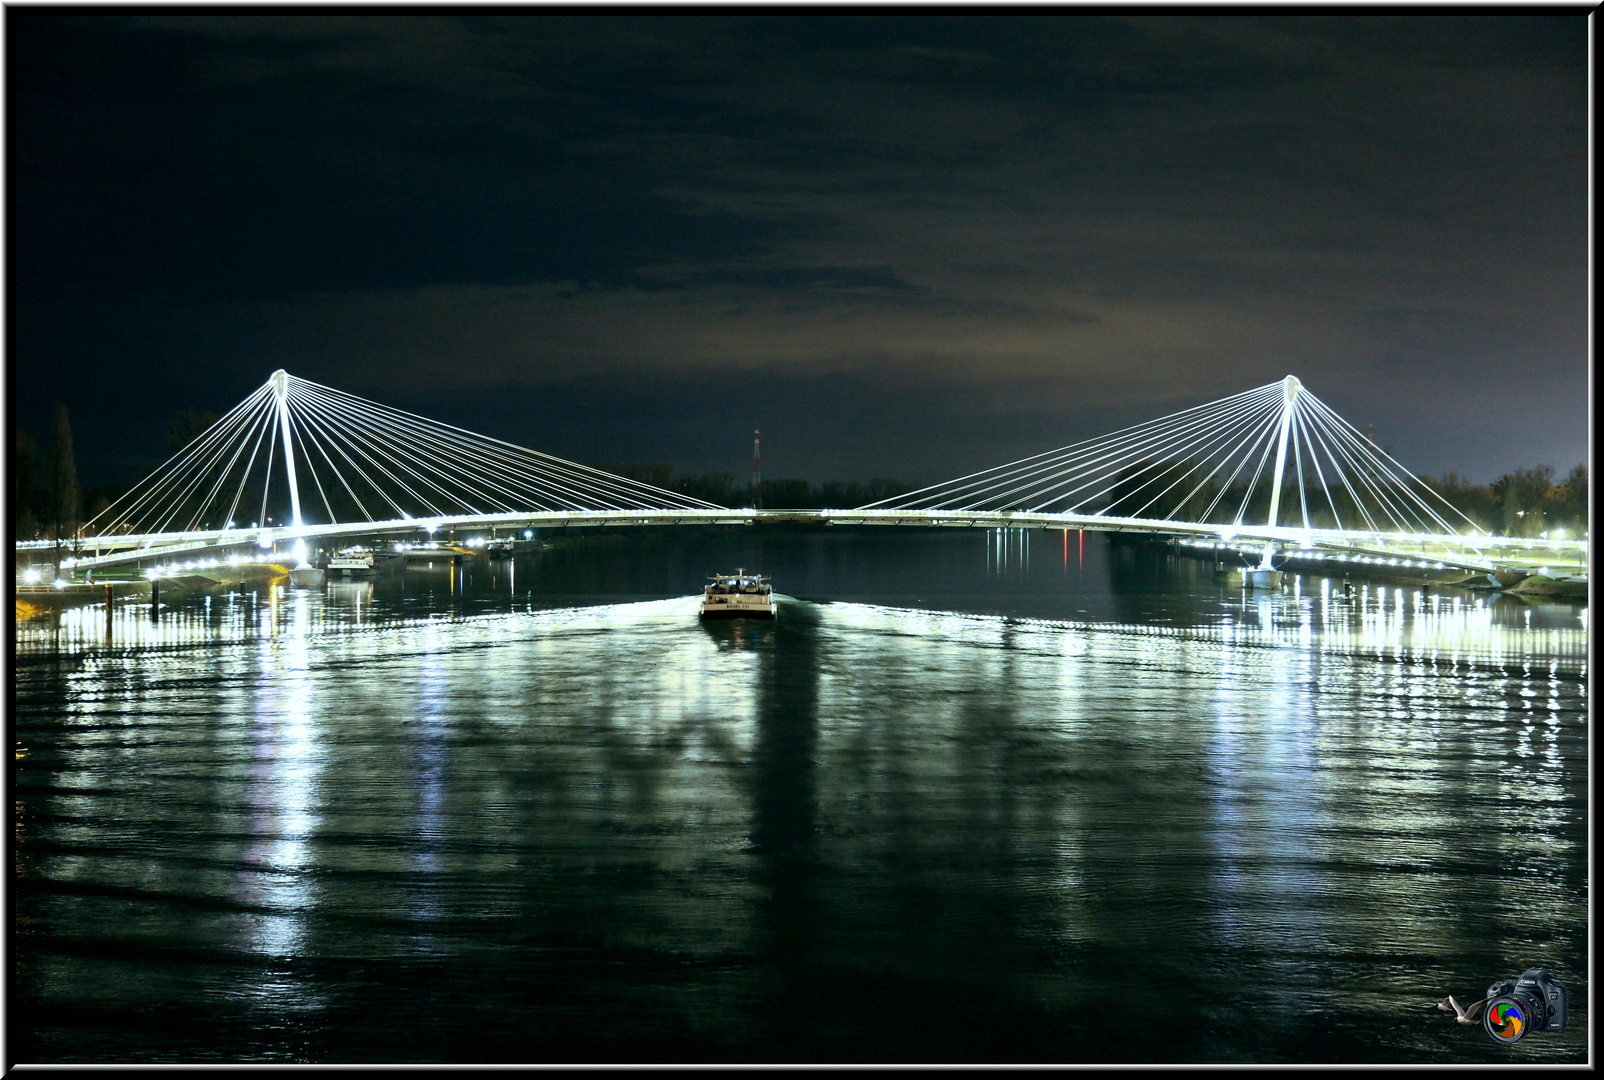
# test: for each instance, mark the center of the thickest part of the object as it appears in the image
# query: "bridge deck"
(1471, 553)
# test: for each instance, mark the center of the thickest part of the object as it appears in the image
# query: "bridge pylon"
(280, 381)
(1289, 403)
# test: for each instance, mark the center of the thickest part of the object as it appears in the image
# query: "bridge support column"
(281, 389)
(1289, 399)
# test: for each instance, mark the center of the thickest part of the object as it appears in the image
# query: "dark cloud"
(998, 230)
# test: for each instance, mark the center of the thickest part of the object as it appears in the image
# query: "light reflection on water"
(1396, 621)
(327, 826)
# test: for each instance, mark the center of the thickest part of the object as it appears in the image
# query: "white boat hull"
(737, 596)
(737, 607)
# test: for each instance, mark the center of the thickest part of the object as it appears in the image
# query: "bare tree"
(65, 510)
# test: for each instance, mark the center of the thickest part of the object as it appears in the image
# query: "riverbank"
(36, 601)
(1412, 573)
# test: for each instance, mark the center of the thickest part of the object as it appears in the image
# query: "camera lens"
(1506, 1018)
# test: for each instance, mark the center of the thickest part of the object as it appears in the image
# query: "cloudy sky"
(903, 247)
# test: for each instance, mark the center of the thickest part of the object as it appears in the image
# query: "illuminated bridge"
(1271, 471)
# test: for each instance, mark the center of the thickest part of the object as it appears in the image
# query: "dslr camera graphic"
(1534, 1002)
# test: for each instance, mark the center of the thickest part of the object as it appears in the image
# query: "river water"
(973, 796)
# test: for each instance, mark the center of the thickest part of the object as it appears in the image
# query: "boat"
(738, 596)
(351, 561)
(501, 548)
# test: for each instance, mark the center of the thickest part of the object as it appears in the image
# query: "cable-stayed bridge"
(1273, 469)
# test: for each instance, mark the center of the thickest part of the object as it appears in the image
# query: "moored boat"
(738, 596)
(351, 561)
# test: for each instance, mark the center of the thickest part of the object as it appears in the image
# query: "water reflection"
(282, 799)
(354, 825)
(1114, 583)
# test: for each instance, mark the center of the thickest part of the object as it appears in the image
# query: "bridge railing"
(101, 551)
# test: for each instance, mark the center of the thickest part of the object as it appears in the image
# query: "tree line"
(44, 487)
(1526, 502)
(49, 505)
(781, 493)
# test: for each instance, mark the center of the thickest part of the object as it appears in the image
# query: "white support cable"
(594, 475)
(267, 475)
(1315, 458)
(419, 468)
(311, 467)
(1166, 455)
(376, 453)
(1317, 426)
(1096, 457)
(1387, 488)
(360, 505)
(245, 476)
(400, 455)
(1120, 476)
(1248, 438)
(1297, 456)
(183, 453)
(1251, 433)
(1401, 474)
(1105, 466)
(196, 474)
(222, 477)
(222, 474)
(537, 478)
(1258, 470)
(1119, 468)
(1368, 476)
(571, 492)
(919, 495)
(1348, 469)
(335, 439)
(1248, 441)
(160, 481)
(364, 441)
(572, 503)
(1131, 452)
(1211, 440)
(450, 482)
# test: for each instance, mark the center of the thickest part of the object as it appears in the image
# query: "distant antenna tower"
(1370, 433)
(757, 472)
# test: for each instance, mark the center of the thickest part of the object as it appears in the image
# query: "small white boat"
(351, 561)
(1261, 577)
(738, 596)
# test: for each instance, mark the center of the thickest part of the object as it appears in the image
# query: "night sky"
(903, 247)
